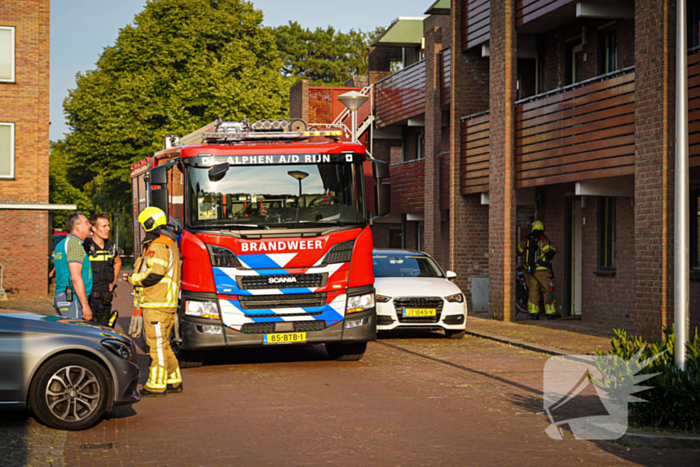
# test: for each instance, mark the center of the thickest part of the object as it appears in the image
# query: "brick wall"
(468, 221)
(379, 62)
(502, 161)
(654, 163)
(299, 100)
(24, 234)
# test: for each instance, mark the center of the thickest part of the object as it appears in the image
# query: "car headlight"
(360, 303)
(456, 298)
(118, 348)
(383, 299)
(202, 309)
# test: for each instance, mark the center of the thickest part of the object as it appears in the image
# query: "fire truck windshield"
(276, 196)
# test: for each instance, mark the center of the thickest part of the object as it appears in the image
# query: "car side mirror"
(451, 275)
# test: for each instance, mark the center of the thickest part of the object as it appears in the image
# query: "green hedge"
(673, 401)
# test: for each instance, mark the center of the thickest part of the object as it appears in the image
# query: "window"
(607, 50)
(693, 18)
(606, 229)
(694, 224)
(574, 60)
(7, 150)
(7, 54)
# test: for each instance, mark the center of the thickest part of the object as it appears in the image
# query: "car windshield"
(276, 196)
(405, 266)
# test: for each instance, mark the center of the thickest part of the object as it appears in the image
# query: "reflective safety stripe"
(175, 377)
(532, 308)
(159, 346)
(104, 257)
(159, 305)
(156, 379)
(158, 261)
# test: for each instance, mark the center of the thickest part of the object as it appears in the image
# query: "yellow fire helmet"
(537, 225)
(151, 218)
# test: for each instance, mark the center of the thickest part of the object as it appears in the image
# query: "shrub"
(673, 397)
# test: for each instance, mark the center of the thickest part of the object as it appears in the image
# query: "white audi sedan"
(413, 292)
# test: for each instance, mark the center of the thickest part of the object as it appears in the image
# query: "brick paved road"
(424, 401)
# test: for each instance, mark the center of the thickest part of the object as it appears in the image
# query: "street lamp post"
(299, 175)
(353, 100)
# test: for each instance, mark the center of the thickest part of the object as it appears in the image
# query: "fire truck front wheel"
(346, 352)
(189, 358)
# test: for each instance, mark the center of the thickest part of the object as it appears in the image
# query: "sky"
(81, 29)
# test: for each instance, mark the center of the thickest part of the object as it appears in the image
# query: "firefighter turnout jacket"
(538, 251)
(156, 276)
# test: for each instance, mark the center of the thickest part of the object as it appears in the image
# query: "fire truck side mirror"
(159, 175)
(159, 199)
(217, 172)
(380, 169)
(382, 199)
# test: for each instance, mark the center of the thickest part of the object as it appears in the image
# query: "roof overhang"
(404, 31)
(440, 7)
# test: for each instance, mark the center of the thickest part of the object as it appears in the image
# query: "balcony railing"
(580, 132)
(407, 181)
(694, 108)
(476, 22)
(400, 96)
(528, 10)
(445, 76)
(475, 150)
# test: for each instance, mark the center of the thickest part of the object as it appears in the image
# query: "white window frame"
(12, 55)
(11, 175)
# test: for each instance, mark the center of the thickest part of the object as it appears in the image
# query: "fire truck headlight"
(202, 309)
(360, 303)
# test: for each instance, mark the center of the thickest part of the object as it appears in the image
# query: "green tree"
(323, 56)
(179, 66)
(60, 189)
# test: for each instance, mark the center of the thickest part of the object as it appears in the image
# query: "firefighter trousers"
(164, 369)
(538, 282)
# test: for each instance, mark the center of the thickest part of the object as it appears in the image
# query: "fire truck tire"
(190, 358)
(346, 352)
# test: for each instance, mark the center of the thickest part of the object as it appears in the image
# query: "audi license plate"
(419, 312)
(285, 338)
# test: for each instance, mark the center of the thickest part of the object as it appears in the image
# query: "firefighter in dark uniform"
(156, 281)
(106, 264)
(538, 253)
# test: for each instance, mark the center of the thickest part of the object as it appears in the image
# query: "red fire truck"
(274, 235)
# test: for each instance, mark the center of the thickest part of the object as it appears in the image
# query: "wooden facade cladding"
(445, 181)
(407, 186)
(581, 132)
(694, 108)
(476, 22)
(474, 158)
(445, 74)
(400, 96)
(527, 10)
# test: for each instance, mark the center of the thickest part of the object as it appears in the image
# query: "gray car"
(67, 372)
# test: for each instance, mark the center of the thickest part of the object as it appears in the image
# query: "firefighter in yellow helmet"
(156, 281)
(538, 253)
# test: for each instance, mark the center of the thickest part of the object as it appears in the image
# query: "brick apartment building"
(24, 144)
(505, 111)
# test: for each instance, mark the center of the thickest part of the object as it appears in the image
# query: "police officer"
(106, 264)
(538, 253)
(156, 281)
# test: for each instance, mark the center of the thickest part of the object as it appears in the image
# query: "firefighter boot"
(551, 310)
(156, 385)
(533, 310)
(174, 382)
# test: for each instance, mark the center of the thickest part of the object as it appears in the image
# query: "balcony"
(476, 22)
(580, 132)
(400, 96)
(529, 10)
(474, 160)
(694, 108)
(445, 77)
(407, 186)
(324, 105)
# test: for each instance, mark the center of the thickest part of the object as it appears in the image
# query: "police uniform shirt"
(102, 262)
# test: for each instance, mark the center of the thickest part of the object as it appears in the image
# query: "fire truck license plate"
(285, 338)
(419, 312)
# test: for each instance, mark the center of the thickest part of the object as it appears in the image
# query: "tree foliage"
(323, 56)
(179, 66)
(60, 189)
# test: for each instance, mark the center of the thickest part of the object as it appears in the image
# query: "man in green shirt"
(73, 271)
